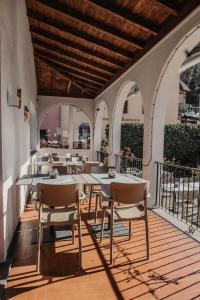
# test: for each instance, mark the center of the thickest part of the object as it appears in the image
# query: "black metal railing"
(178, 193)
(129, 165)
(102, 157)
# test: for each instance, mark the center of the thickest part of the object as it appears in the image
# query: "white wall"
(134, 109)
(45, 104)
(17, 71)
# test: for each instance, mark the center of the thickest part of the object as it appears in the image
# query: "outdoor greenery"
(191, 77)
(181, 146)
(132, 137)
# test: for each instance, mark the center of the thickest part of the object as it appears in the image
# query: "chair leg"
(80, 242)
(111, 240)
(130, 233)
(39, 247)
(147, 236)
(96, 207)
(73, 233)
(102, 226)
(90, 200)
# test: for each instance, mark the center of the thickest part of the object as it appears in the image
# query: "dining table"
(81, 179)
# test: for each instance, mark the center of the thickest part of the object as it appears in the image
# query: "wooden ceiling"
(82, 46)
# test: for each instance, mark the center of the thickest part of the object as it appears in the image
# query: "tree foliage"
(181, 142)
(191, 77)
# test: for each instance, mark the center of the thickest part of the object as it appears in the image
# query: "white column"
(71, 128)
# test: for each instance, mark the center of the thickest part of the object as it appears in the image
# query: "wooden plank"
(69, 11)
(113, 7)
(69, 87)
(71, 71)
(86, 36)
(70, 63)
(168, 26)
(78, 46)
(67, 76)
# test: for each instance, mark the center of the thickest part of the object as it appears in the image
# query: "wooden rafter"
(69, 87)
(78, 46)
(68, 77)
(63, 8)
(72, 55)
(90, 43)
(72, 64)
(83, 35)
(113, 7)
(72, 76)
(71, 71)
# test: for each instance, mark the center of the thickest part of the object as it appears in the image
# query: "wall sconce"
(15, 100)
(26, 112)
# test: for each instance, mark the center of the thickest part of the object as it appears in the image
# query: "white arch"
(43, 114)
(99, 114)
(166, 87)
(115, 136)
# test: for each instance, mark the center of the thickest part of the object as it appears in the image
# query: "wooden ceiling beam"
(172, 5)
(71, 64)
(69, 11)
(83, 35)
(67, 42)
(89, 86)
(72, 55)
(73, 74)
(68, 77)
(63, 64)
(113, 7)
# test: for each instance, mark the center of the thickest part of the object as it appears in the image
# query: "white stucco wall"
(45, 103)
(134, 109)
(146, 74)
(17, 71)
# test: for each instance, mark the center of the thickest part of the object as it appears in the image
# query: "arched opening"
(168, 99)
(65, 127)
(101, 131)
(128, 110)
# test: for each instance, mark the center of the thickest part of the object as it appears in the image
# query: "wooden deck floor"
(172, 272)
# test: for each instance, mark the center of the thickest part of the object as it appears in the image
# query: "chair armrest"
(105, 196)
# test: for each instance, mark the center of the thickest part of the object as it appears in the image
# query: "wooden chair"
(130, 195)
(56, 158)
(44, 158)
(65, 200)
(87, 167)
(62, 170)
(95, 189)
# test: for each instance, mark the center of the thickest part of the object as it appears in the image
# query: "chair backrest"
(75, 158)
(62, 170)
(128, 193)
(44, 158)
(88, 165)
(99, 169)
(56, 158)
(54, 154)
(58, 195)
(45, 169)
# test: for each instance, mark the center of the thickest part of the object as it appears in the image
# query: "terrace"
(67, 70)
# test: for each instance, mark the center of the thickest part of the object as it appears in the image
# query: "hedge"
(181, 142)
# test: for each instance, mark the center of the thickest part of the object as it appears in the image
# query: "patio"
(171, 273)
(68, 69)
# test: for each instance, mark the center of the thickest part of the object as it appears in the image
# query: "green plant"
(181, 142)
(132, 136)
